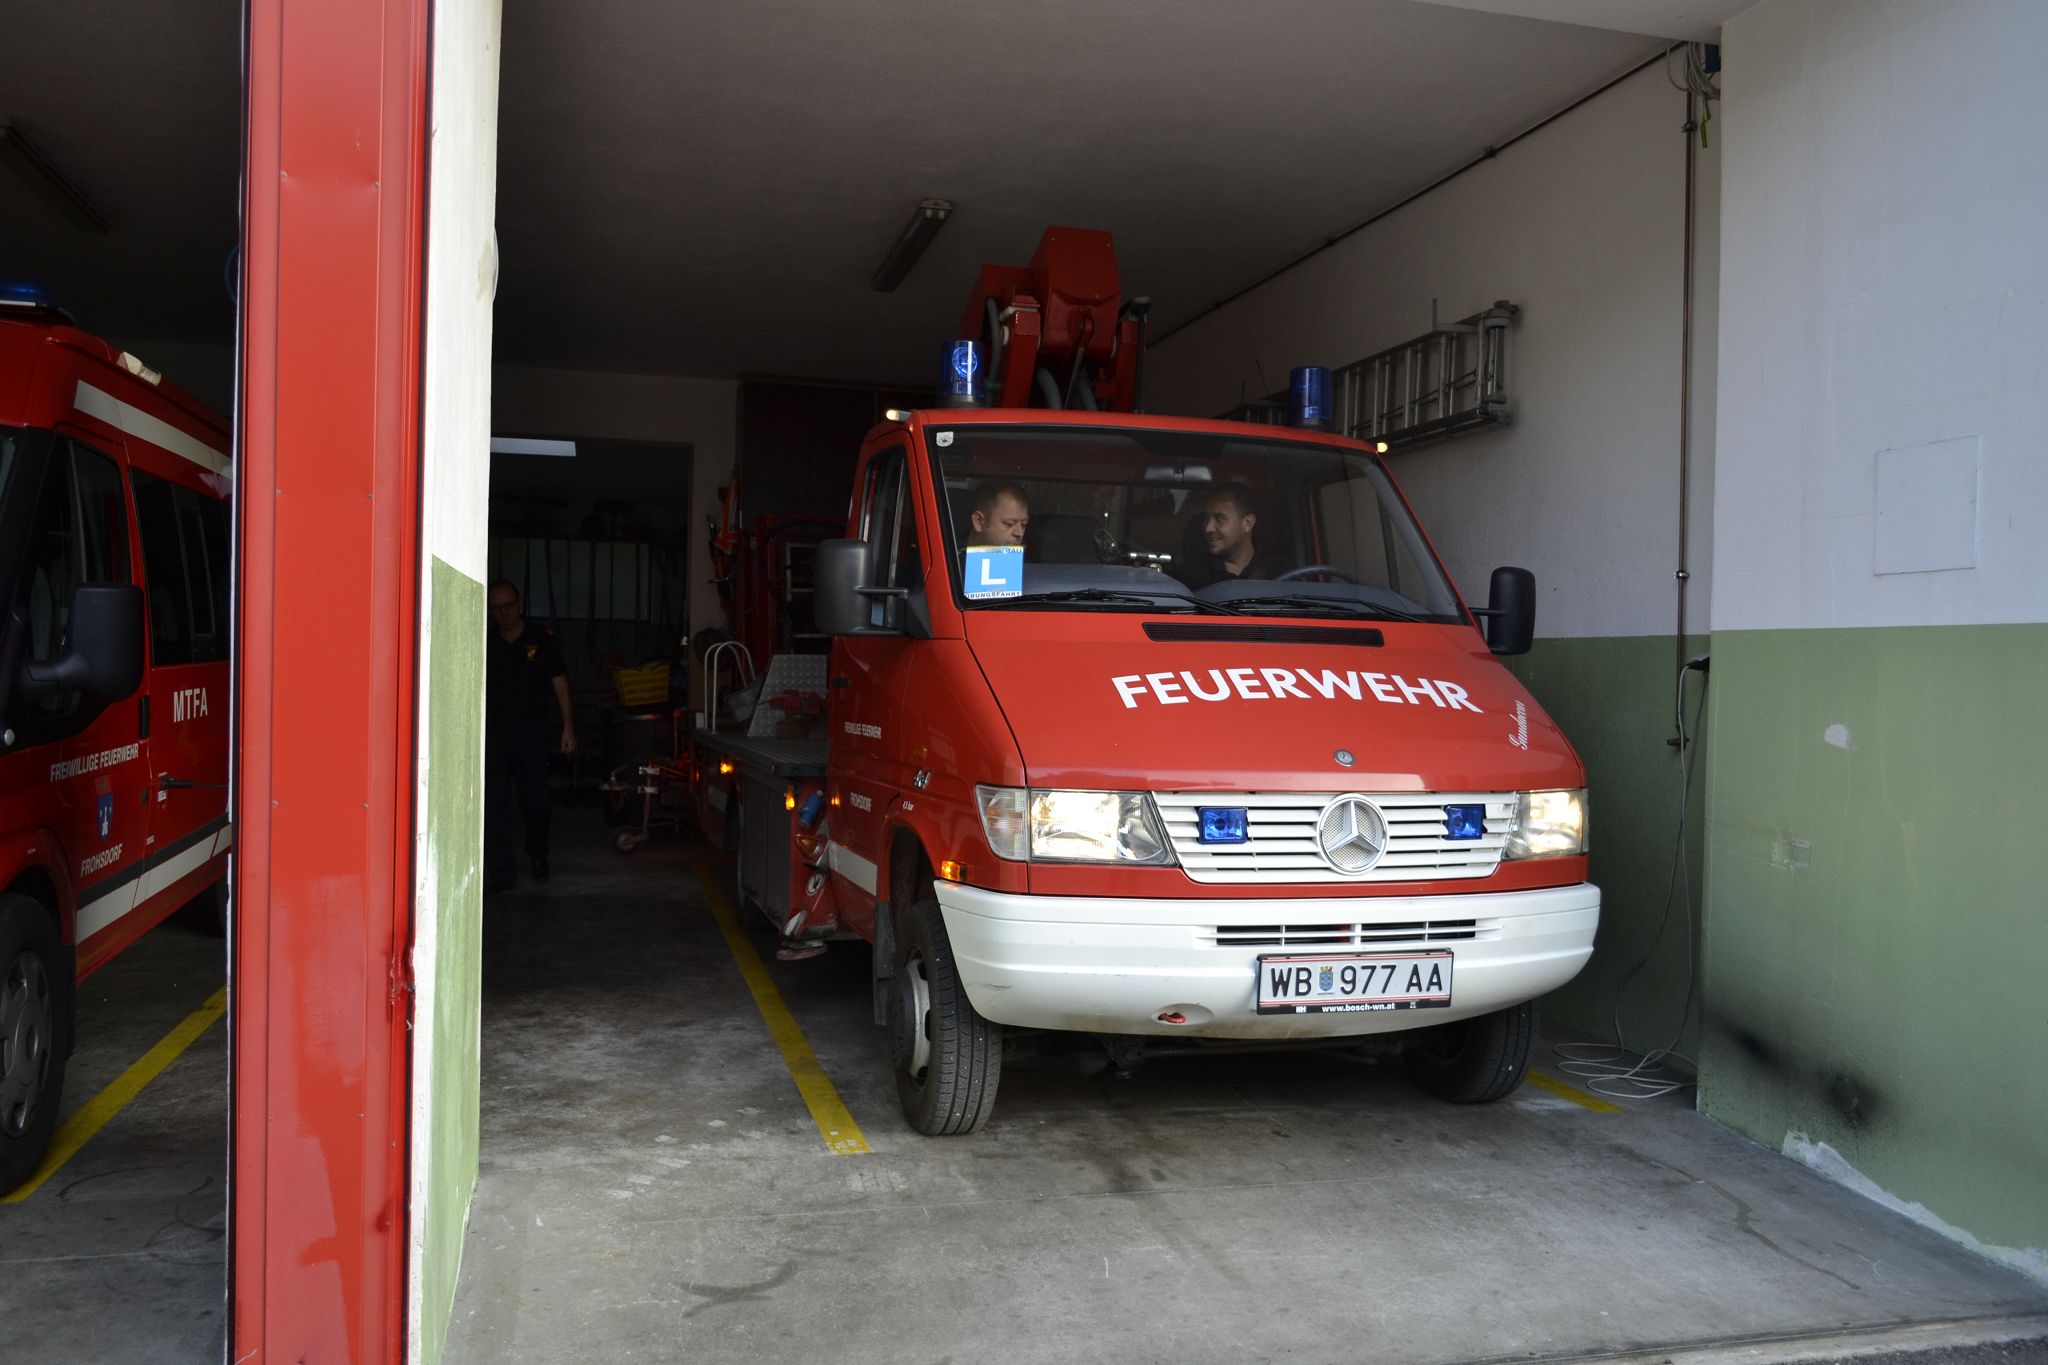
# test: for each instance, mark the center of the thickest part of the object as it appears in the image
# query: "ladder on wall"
(1450, 380)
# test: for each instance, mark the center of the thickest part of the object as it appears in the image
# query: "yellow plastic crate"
(643, 686)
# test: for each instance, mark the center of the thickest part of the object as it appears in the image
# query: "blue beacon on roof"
(20, 293)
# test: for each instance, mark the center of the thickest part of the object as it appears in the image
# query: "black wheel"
(948, 1058)
(33, 1046)
(207, 912)
(1478, 1060)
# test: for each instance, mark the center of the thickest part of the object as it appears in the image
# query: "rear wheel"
(1477, 1060)
(207, 911)
(948, 1058)
(33, 1046)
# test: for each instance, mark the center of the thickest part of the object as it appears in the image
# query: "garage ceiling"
(139, 106)
(706, 189)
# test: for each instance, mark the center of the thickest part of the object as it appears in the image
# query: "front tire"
(34, 986)
(1476, 1061)
(948, 1058)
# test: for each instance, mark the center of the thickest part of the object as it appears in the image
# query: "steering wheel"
(1312, 570)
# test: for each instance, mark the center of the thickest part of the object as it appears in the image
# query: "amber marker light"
(724, 768)
(789, 800)
(951, 870)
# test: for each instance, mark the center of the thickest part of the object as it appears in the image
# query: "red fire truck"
(1098, 783)
(114, 618)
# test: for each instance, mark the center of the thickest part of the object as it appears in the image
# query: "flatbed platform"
(774, 757)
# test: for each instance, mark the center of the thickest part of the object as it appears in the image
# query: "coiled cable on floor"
(1607, 1069)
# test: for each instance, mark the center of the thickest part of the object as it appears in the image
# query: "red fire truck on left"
(115, 568)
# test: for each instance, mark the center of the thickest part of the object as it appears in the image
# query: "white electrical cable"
(1604, 1068)
(1698, 80)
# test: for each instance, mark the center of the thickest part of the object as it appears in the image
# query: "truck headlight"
(1548, 824)
(1071, 827)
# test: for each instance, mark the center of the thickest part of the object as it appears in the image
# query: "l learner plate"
(1353, 983)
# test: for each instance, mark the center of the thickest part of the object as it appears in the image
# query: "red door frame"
(333, 225)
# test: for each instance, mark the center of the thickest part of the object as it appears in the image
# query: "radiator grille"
(1282, 846)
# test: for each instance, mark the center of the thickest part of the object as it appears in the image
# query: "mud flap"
(884, 965)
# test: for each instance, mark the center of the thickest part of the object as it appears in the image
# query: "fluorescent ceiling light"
(40, 176)
(917, 234)
(527, 445)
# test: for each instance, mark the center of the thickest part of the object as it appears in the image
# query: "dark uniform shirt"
(519, 687)
(1214, 570)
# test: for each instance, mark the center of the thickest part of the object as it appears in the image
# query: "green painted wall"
(1876, 952)
(1613, 697)
(454, 854)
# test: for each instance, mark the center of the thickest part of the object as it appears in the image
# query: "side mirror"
(105, 662)
(1510, 614)
(844, 599)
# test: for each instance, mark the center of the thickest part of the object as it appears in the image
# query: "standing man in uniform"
(526, 709)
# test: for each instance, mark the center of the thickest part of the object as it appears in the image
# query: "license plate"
(1353, 983)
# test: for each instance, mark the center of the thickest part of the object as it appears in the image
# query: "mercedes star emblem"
(1352, 834)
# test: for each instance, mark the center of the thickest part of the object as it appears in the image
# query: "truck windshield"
(1124, 519)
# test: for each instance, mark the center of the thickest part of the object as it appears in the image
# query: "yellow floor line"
(835, 1124)
(79, 1128)
(1572, 1093)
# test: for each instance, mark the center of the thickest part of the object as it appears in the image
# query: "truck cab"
(1080, 776)
(114, 620)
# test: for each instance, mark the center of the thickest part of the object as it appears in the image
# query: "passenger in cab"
(1001, 514)
(1230, 516)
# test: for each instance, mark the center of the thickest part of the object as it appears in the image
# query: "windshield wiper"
(1250, 606)
(1107, 595)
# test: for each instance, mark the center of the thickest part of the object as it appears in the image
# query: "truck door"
(876, 747)
(92, 758)
(185, 575)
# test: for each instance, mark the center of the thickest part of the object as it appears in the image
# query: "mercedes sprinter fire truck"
(1091, 781)
(114, 611)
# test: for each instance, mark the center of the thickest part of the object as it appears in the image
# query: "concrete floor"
(120, 1256)
(653, 1188)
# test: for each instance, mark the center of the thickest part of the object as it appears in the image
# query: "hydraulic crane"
(1057, 333)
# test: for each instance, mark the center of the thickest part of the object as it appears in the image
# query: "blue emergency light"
(1223, 824)
(1308, 392)
(25, 294)
(960, 387)
(1464, 822)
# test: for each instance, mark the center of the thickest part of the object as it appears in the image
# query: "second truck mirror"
(105, 661)
(845, 598)
(1511, 611)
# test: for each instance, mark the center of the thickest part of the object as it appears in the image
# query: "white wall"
(1581, 224)
(700, 413)
(1885, 220)
(455, 431)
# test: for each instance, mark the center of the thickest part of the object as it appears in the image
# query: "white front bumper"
(1103, 965)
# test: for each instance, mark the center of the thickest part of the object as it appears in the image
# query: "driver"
(1001, 514)
(1230, 515)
